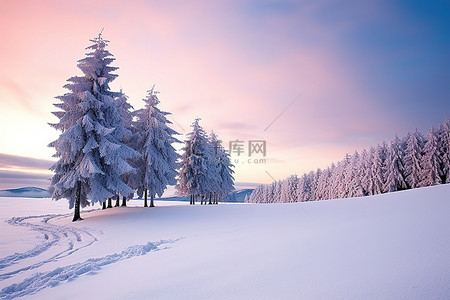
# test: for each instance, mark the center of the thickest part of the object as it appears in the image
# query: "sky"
(310, 80)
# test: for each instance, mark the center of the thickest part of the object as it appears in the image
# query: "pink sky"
(235, 64)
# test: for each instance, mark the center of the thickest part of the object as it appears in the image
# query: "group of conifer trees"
(411, 162)
(107, 150)
(206, 169)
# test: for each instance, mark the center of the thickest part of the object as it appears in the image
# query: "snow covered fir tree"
(157, 166)
(92, 158)
(222, 164)
(127, 136)
(411, 162)
(206, 169)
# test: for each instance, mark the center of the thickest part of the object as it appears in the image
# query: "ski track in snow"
(67, 240)
(43, 280)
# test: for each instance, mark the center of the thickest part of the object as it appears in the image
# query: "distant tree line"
(405, 163)
(107, 150)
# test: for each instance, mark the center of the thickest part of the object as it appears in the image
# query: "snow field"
(386, 246)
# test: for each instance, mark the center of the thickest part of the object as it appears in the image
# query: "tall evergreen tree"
(257, 195)
(355, 188)
(304, 188)
(364, 169)
(376, 174)
(92, 159)
(338, 179)
(193, 178)
(268, 192)
(158, 165)
(413, 159)
(395, 179)
(444, 150)
(289, 189)
(431, 161)
(224, 168)
(128, 137)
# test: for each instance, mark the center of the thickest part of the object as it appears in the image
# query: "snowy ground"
(392, 246)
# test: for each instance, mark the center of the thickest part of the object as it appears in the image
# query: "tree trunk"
(109, 203)
(117, 200)
(151, 202)
(124, 201)
(145, 198)
(76, 216)
(104, 205)
(190, 203)
(210, 196)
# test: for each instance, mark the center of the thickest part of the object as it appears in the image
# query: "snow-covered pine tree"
(268, 192)
(364, 169)
(193, 178)
(276, 192)
(213, 184)
(323, 185)
(300, 189)
(355, 183)
(444, 150)
(347, 176)
(284, 198)
(257, 195)
(224, 168)
(92, 159)
(375, 176)
(127, 136)
(304, 187)
(314, 180)
(413, 159)
(330, 187)
(431, 161)
(337, 180)
(158, 166)
(395, 179)
(289, 189)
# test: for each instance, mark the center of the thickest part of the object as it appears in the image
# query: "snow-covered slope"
(392, 246)
(25, 192)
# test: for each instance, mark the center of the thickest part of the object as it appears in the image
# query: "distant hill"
(235, 196)
(34, 192)
(239, 195)
(26, 192)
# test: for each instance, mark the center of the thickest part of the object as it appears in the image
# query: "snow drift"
(386, 246)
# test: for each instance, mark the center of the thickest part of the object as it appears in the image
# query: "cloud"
(235, 125)
(22, 175)
(15, 179)
(8, 161)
